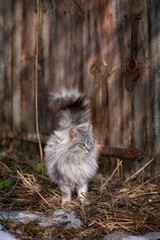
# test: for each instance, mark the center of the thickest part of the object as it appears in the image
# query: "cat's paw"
(65, 202)
(83, 200)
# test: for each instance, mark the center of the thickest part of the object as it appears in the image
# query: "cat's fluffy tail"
(75, 108)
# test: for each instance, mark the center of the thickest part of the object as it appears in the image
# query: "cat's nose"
(88, 149)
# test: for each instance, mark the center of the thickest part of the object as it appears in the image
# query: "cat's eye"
(82, 144)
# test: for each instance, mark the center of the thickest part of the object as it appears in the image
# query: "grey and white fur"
(70, 153)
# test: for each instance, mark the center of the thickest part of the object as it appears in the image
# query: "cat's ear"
(73, 133)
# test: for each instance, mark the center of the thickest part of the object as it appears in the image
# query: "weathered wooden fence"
(101, 46)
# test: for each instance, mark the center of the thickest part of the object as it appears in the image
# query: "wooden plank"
(27, 66)
(59, 47)
(47, 42)
(16, 84)
(114, 79)
(139, 92)
(24, 136)
(127, 87)
(95, 69)
(155, 48)
(104, 150)
(7, 56)
(155, 76)
(2, 70)
(25, 89)
(102, 118)
(146, 74)
(118, 152)
(85, 44)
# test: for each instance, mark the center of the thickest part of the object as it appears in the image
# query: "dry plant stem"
(123, 211)
(33, 188)
(8, 169)
(145, 204)
(128, 229)
(36, 90)
(119, 164)
(82, 212)
(13, 188)
(133, 190)
(105, 228)
(135, 174)
(149, 193)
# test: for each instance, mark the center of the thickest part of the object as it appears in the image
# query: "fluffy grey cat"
(70, 153)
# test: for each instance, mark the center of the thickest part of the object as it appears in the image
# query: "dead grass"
(131, 206)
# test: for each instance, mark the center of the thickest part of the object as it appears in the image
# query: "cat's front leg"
(82, 192)
(66, 193)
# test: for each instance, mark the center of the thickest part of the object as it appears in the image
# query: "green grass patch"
(2, 157)
(5, 184)
(20, 200)
(37, 167)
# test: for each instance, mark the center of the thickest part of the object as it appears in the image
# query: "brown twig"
(82, 212)
(112, 211)
(148, 193)
(13, 188)
(141, 169)
(135, 189)
(36, 89)
(34, 188)
(108, 179)
(8, 169)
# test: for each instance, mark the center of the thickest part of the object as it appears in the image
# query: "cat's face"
(81, 142)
